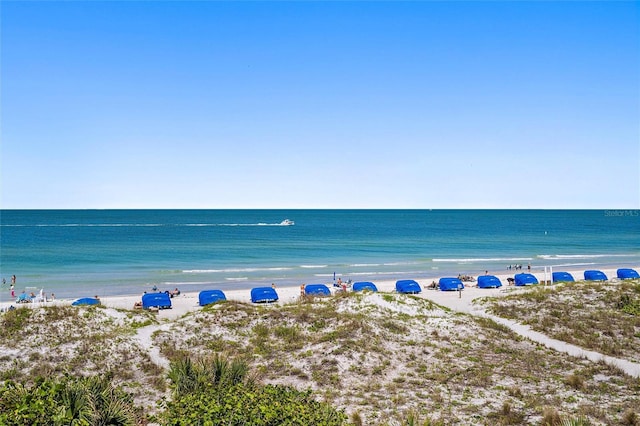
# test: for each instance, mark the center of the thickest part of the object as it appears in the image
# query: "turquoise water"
(109, 252)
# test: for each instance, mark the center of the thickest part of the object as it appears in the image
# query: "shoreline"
(187, 301)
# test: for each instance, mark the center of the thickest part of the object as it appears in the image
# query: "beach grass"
(384, 358)
(601, 316)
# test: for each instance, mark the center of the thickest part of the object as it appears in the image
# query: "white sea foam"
(314, 266)
(210, 271)
(480, 259)
(580, 256)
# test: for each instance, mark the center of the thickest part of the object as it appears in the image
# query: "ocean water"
(76, 253)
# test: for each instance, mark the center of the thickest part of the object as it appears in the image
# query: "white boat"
(287, 222)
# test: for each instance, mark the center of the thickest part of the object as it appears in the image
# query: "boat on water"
(287, 222)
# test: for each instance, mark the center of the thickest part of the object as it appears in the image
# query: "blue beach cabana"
(263, 295)
(86, 301)
(593, 275)
(408, 287)
(489, 281)
(627, 274)
(364, 286)
(156, 300)
(562, 277)
(525, 279)
(207, 297)
(320, 290)
(450, 284)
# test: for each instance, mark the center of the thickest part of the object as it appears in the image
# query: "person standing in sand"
(13, 291)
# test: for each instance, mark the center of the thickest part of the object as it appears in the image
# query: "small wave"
(230, 270)
(490, 259)
(237, 278)
(580, 256)
(575, 264)
(361, 265)
(313, 266)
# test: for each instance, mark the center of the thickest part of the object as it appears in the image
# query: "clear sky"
(126, 104)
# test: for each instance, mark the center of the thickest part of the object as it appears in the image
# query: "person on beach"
(273, 285)
(13, 291)
(13, 279)
(301, 290)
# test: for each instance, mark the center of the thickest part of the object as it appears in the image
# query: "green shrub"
(242, 404)
(78, 401)
(216, 391)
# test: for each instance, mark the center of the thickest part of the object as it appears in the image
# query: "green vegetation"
(604, 317)
(92, 401)
(215, 391)
(384, 359)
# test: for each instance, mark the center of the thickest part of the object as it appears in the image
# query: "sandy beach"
(461, 302)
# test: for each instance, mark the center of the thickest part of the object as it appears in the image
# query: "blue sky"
(320, 104)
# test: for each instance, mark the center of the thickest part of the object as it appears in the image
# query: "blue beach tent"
(450, 284)
(488, 281)
(317, 290)
(263, 294)
(156, 300)
(562, 277)
(364, 286)
(86, 301)
(525, 279)
(408, 287)
(207, 297)
(627, 274)
(595, 276)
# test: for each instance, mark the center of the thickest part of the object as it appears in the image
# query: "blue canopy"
(156, 300)
(595, 276)
(562, 277)
(448, 284)
(488, 281)
(263, 294)
(364, 285)
(525, 279)
(317, 290)
(86, 301)
(408, 286)
(627, 274)
(207, 297)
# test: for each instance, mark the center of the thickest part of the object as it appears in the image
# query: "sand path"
(144, 338)
(464, 303)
